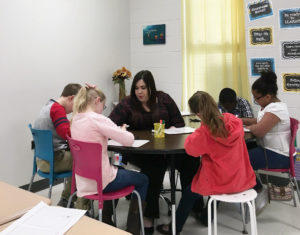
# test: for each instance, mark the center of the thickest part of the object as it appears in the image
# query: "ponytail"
(84, 97)
(201, 102)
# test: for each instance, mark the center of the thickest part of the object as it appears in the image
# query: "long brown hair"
(202, 103)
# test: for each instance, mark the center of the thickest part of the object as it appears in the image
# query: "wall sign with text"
(290, 50)
(260, 9)
(261, 36)
(259, 65)
(289, 18)
(291, 81)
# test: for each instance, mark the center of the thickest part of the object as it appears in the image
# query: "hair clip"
(89, 86)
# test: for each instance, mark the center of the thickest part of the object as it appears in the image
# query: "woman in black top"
(140, 111)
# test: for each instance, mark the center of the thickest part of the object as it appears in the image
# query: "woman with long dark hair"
(140, 111)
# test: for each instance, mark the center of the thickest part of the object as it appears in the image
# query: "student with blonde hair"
(88, 124)
(225, 165)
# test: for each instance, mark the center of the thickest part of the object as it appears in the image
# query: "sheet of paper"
(46, 220)
(185, 113)
(136, 144)
(180, 130)
(246, 129)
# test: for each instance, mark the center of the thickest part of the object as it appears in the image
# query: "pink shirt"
(94, 127)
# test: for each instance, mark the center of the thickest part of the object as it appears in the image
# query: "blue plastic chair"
(44, 150)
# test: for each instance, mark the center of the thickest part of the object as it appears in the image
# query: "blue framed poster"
(260, 9)
(154, 34)
(259, 65)
(289, 18)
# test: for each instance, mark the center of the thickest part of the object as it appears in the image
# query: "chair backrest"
(43, 143)
(87, 162)
(294, 128)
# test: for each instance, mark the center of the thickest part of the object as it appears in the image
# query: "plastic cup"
(159, 130)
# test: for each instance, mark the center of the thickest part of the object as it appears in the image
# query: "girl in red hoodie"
(225, 166)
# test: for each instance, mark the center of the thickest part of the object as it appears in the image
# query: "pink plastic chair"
(291, 170)
(87, 162)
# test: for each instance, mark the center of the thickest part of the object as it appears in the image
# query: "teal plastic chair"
(43, 149)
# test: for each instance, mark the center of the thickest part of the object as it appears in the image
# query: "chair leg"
(293, 191)
(259, 178)
(70, 199)
(297, 188)
(269, 198)
(141, 211)
(31, 181)
(244, 220)
(209, 215)
(92, 208)
(114, 212)
(100, 214)
(252, 217)
(50, 191)
(65, 183)
(215, 217)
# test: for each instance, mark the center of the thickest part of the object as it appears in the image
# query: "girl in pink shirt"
(88, 124)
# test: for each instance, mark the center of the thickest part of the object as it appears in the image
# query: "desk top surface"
(15, 202)
(170, 144)
(86, 225)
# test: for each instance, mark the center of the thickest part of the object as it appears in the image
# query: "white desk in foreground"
(14, 202)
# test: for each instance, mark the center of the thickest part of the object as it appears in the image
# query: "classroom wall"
(164, 60)
(273, 48)
(45, 45)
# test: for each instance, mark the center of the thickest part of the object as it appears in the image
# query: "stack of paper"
(136, 144)
(180, 130)
(45, 220)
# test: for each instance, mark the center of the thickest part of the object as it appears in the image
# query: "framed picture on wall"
(154, 34)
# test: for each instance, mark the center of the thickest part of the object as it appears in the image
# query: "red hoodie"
(225, 162)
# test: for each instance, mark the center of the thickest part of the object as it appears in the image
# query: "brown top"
(15, 202)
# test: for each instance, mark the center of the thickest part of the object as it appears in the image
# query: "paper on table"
(246, 129)
(185, 113)
(46, 220)
(180, 130)
(136, 144)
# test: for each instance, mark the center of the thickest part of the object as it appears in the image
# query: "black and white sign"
(290, 50)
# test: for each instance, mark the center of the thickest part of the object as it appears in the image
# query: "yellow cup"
(159, 130)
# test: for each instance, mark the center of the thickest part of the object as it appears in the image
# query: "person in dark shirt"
(140, 111)
(230, 103)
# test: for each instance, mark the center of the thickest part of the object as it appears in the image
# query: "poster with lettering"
(290, 50)
(259, 65)
(291, 81)
(261, 36)
(289, 18)
(260, 9)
